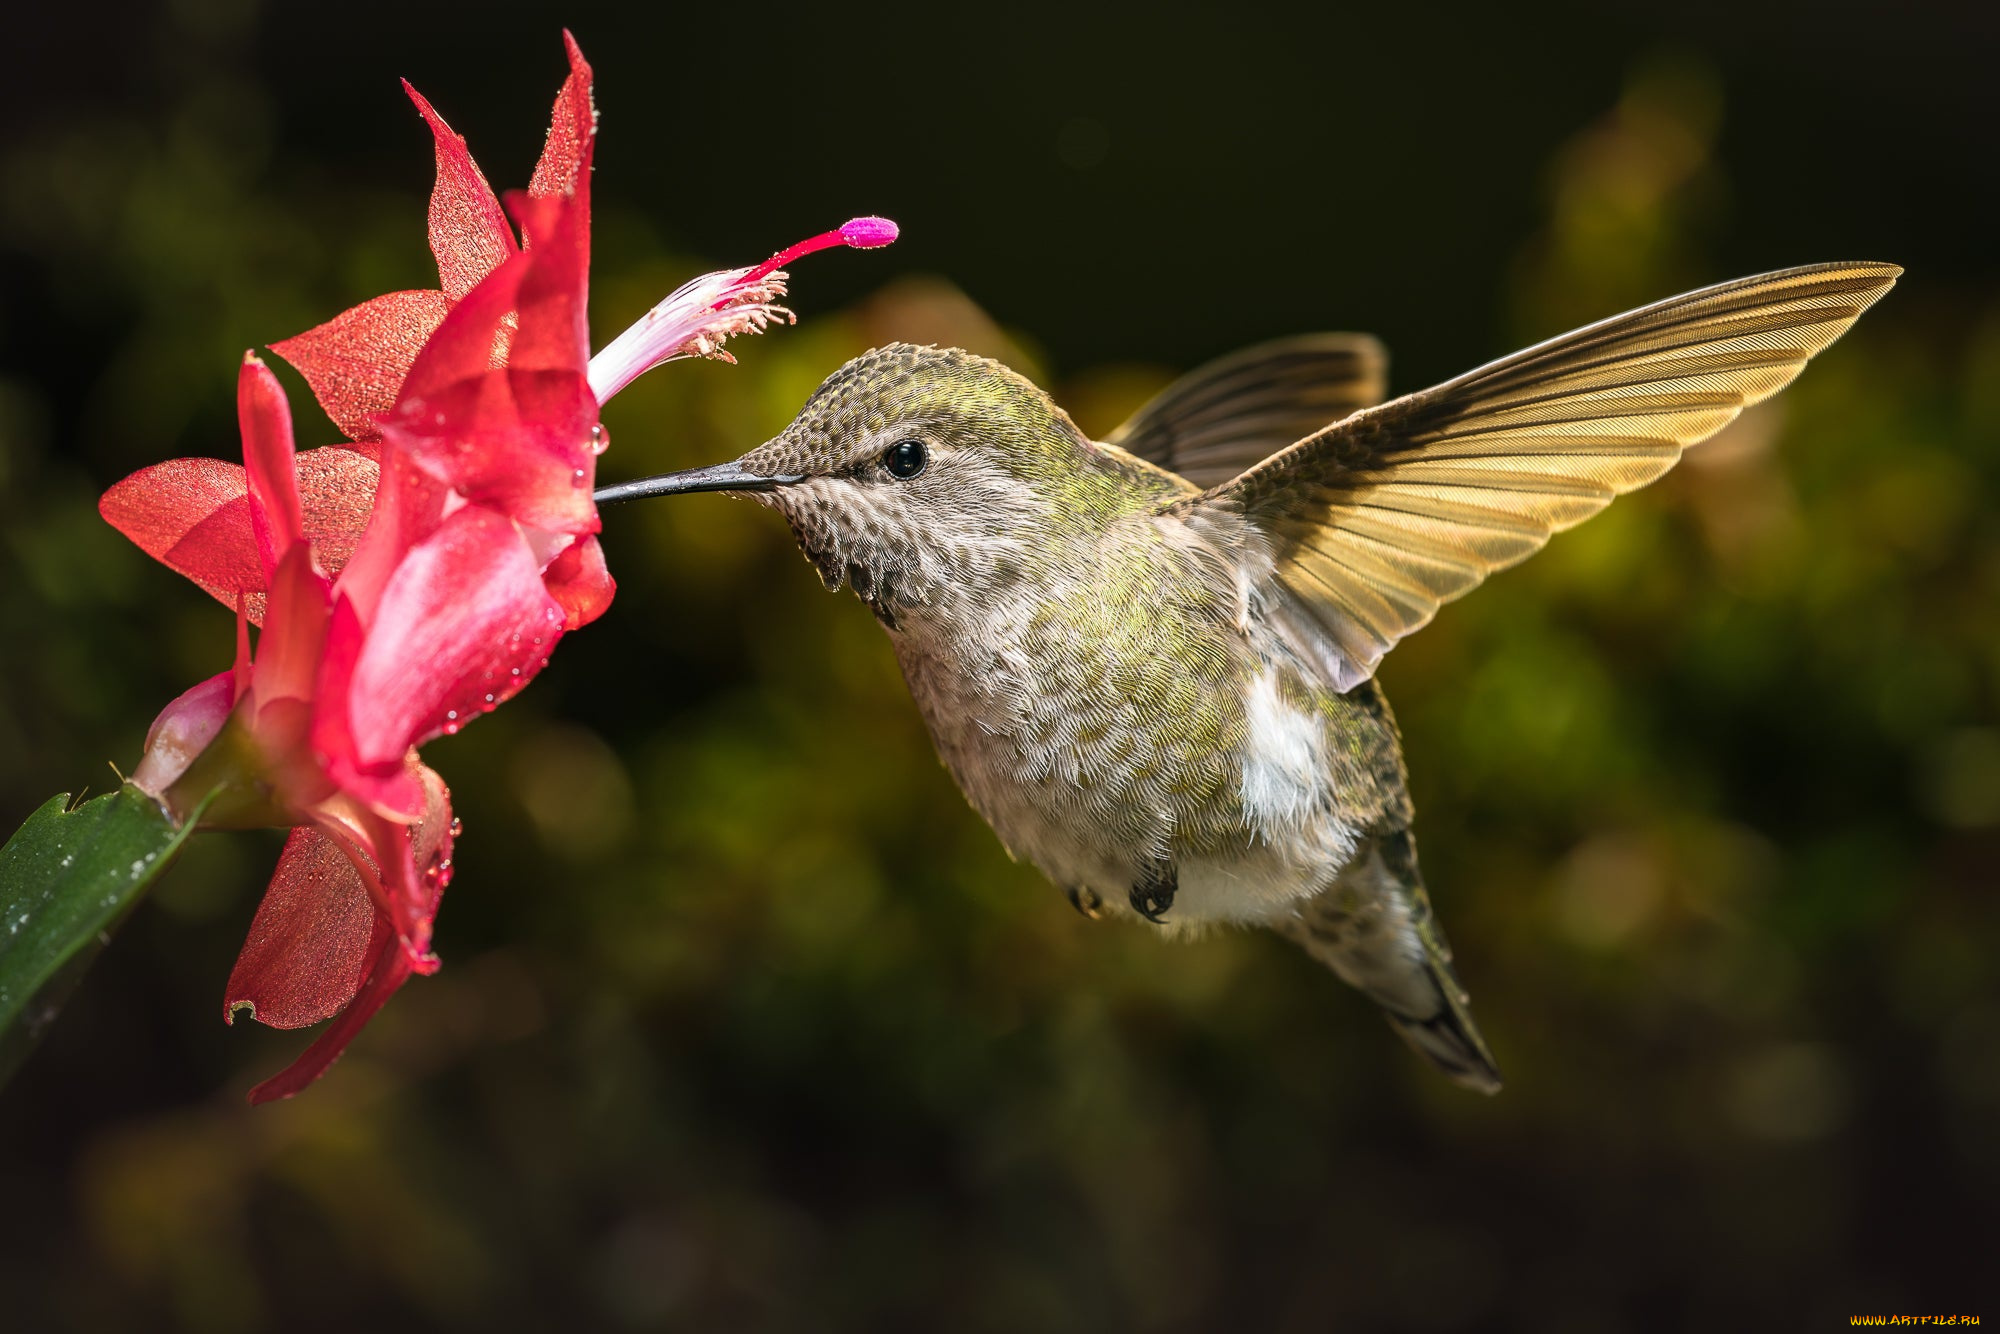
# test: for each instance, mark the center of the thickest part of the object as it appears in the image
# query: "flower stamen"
(702, 315)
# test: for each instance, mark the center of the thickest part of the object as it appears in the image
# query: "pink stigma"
(860, 233)
(869, 233)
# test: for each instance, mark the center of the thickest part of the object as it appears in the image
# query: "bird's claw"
(1154, 894)
(1084, 900)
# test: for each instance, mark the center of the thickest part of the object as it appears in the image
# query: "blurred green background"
(746, 1022)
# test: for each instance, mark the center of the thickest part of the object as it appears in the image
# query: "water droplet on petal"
(489, 700)
(457, 827)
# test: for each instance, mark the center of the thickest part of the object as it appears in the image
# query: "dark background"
(746, 1022)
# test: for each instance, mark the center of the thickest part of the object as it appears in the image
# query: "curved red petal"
(265, 419)
(463, 623)
(554, 329)
(527, 314)
(295, 627)
(157, 506)
(337, 492)
(499, 406)
(312, 938)
(472, 339)
(193, 515)
(356, 361)
(580, 582)
(382, 785)
(469, 233)
(415, 858)
(325, 945)
(517, 442)
(388, 970)
(433, 838)
(564, 167)
(409, 505)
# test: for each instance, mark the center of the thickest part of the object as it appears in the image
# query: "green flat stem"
(68, 876)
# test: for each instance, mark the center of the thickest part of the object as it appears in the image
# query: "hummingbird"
(1149, 661)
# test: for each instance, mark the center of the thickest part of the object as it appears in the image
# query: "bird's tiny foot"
(1084, 901)
(1154, 894)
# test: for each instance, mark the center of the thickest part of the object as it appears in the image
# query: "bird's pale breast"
(1128, 710)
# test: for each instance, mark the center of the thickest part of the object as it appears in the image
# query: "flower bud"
(184, 730)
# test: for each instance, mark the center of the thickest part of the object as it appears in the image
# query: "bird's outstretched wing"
(1237, 411)
(1377, 520)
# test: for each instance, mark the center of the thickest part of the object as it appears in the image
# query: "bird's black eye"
(905, 458)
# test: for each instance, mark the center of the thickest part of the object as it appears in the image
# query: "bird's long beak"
(720, 477)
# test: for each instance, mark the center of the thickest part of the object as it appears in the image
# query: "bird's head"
(920, 475)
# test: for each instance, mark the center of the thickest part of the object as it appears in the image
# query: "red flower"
(356, 361)
(347, 917)
(360, 362)
(412, 580)
(404, 586)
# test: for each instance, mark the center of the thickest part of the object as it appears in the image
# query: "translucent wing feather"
(1232, 413)
(1377, 520)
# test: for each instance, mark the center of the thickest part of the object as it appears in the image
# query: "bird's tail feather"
(1448, 1037)
(1373, 926)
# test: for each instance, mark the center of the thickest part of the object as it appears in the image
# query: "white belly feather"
(1294, 841)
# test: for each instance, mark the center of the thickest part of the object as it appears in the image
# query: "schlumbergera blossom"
(411, 578)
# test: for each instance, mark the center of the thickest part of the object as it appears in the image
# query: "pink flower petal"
(553, 332)
(521, 438)
(469, 233)
(319, 926)
(473, 338)
(416, 862)
(525, 315)
(294, 637)
(265, 419)
(516, 442)
(312, 939)
(337, 489)
(564, 167)
(387, 972)
(427, 846)
(409, 504)
(379, 786)
(193, 515)
(356, 361)
(580, 582)
(463, 623)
